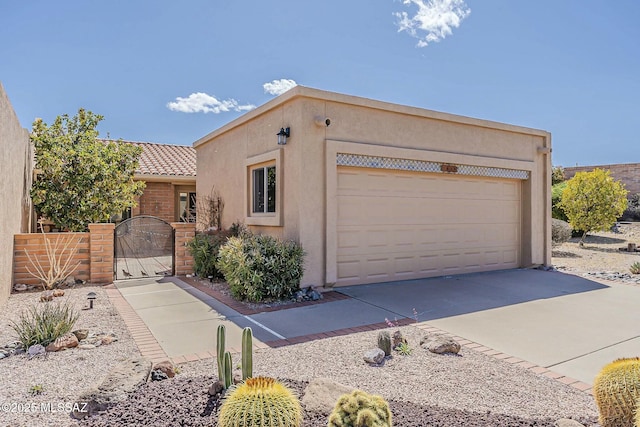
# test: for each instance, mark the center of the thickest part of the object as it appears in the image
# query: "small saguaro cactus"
(247, 353)
(384, 342)
(228, 374)
(617, 392)
(260, 401)
(360, 409)
(220, 340)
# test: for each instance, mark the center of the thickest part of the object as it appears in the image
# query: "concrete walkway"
(556, 322)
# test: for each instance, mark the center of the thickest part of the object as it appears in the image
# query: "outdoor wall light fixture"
(283, 135)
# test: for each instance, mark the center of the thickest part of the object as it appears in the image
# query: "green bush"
(261, 268)
(556, 197)
(43, 323)
(560, 231)
(204, 249)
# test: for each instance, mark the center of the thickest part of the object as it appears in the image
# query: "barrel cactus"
(260, 401)
(360, 409)
(384, 342)
(617, 390)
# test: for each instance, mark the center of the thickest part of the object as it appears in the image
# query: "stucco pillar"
(184, 232)
(101, 252)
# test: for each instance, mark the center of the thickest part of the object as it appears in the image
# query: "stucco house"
(627, 173)
(379, 192)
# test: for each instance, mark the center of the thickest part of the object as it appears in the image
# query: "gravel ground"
(600, 257)
(470, 389)
(63, 375)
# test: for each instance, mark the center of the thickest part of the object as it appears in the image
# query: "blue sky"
(571, 67)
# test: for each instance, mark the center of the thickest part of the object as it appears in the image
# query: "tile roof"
(165, 159)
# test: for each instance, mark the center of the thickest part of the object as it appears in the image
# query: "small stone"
(2, 355)
(46, 296)
(157, 375)
(86, 346)
(315, 295)
(20, 287)
(107, 339)
(36, 350)
(166, 367)
(81, 334)
(565, 422)
(440, 345)
(216, 388)
(375, 356)
(58, 293)
(70, 281)
(64, 342)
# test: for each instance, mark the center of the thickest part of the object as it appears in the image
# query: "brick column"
(101, 252)
(184, 231)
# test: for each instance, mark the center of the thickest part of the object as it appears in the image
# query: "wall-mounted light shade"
(283, 135)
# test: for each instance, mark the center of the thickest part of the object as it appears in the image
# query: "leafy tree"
(556, 197)
(557, 175)
(593, 201)
(81, 179)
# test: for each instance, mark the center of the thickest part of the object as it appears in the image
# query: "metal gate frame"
(127, 223)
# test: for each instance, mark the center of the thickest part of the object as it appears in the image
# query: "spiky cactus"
(247, 353)
(617, 390)
(228, 374)
(260, 401)
(360, 409)
(384, 342)
(220, 341)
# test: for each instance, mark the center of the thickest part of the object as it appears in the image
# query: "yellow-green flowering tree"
(593, 201)
(81, 179)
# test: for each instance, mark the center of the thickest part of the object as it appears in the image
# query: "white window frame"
(273, 219)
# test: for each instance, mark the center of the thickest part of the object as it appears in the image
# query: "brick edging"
(540, 370)
(142, 336)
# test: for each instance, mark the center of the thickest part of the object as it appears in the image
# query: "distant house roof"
(166, 160)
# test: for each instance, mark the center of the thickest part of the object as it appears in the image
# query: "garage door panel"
(395, 225)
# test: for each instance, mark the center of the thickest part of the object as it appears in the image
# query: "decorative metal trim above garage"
(358, 160)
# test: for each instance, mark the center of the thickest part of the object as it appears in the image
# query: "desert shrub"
(632, 213)
(556, 197)
(204, 249)
(44, 323)
(635, 268)
(560, 231)
(557, 175)
(261, 268)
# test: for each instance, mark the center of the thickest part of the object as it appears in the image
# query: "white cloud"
(278, 87)
(436, 18)
(200, 102)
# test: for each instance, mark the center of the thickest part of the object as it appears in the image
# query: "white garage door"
(396, 225)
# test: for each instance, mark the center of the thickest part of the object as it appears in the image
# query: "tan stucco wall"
(15, 153)
(363, 126)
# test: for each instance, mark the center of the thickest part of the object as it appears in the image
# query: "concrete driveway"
(566, 323)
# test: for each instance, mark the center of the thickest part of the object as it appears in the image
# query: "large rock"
(64, 342)
(375, 356)
(322, 394)
(440, 345)
(81, 334)
(166, 367)
(123, 379)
